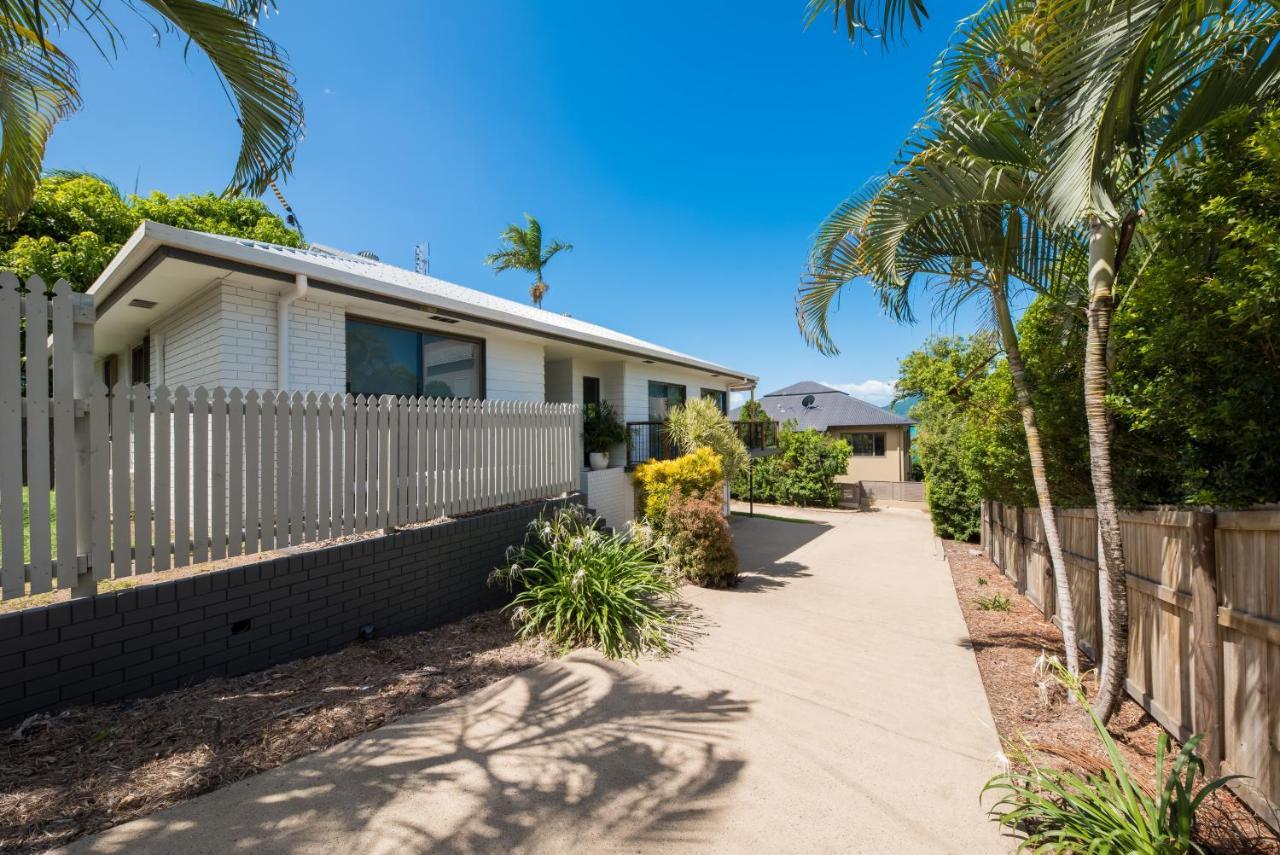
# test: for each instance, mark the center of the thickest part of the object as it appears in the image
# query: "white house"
(185, 308)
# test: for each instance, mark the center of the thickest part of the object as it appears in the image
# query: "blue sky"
(687, 150)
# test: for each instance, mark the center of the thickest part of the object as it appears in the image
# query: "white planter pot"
(599, 460)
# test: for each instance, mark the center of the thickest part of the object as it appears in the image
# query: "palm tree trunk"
(1039, 476)
(1113, 590)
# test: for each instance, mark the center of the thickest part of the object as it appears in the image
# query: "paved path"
(830, 707)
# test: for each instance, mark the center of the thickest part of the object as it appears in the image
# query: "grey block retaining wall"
(158, 637)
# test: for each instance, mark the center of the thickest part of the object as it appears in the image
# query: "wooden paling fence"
(1204, 621)
(149, 479)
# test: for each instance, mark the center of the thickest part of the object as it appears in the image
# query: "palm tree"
(39, 84)
(1126, 88)
(1129, 88)
(954, 217)
(522, 250)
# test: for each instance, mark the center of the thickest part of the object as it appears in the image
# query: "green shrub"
(699, 544)
(1055, 810)
(995, 603)
(803, 471)
(579, 586)
(697, 475)
(954, 497)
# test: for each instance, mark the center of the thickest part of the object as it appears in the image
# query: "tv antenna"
(422, 259)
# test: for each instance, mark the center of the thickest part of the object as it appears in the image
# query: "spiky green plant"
(699, 423)
(581, 587)
(997, 602)
(1055, 810)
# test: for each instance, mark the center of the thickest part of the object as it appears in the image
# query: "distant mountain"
(903, 407)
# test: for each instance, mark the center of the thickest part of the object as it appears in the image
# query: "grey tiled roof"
(829, 408)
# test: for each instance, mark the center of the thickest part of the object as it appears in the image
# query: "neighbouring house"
(185, 308)
(880, 440)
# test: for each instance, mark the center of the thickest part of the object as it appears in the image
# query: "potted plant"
(601, 431)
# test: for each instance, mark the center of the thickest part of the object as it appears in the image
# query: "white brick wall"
(611, 494)
(226, 335)
(186, 346)
(318, 346)
(249, 336)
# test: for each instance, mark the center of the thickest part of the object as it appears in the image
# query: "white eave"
(373, 279)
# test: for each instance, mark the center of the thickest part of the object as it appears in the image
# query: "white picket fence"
(153, 479)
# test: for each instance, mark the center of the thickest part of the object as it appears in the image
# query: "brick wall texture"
(154, 638)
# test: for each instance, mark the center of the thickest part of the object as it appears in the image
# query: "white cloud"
(737, 399)
(878, 392)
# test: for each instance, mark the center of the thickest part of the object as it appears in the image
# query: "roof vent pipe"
(282, 329)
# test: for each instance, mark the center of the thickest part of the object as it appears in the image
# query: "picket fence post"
(82, 319)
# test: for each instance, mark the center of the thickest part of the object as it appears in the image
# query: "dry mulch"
(1007, 645)
(89, 768)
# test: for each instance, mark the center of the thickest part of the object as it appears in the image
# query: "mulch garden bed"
(88, 768)
(1007, 644)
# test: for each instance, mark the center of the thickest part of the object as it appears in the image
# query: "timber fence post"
(1206, 646)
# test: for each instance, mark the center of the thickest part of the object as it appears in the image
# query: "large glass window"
(720, 397)
(389, 360)
(662, 397)
(451, 367)
(865, 444)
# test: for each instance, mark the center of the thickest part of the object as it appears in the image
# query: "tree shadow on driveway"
(580, 753)
(763, 544)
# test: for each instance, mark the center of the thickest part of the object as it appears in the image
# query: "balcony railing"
(649, 441)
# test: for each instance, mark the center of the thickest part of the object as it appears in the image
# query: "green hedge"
(803, 471)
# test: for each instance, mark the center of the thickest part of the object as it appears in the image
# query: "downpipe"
(287, 299)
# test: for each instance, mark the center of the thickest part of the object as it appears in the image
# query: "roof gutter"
(287, 299)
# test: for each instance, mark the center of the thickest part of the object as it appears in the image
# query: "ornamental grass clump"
(1056, 810)
(579, 586)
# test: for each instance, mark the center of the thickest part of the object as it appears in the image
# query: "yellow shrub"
(696, 475)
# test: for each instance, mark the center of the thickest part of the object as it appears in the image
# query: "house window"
(590, 391)
(865, 444)
(662, 397)
(720, 397)
(140, 362)
(390, 360)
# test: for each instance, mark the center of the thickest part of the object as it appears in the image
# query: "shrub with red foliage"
(700, 546)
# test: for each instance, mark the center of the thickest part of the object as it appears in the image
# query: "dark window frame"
(720, 396)
(877, 438)
(140, 362)
(482, 364)
(684, 394)
(587, 383)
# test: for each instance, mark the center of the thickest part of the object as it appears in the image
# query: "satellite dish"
(808, 402)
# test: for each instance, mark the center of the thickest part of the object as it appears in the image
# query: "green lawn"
(26, 521)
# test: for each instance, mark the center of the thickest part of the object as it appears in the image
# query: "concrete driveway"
(830, 705)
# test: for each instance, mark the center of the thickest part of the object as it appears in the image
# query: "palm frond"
(38, 88)
(554, 249)
(886, 20)
(257, 72)
(1130, 84)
